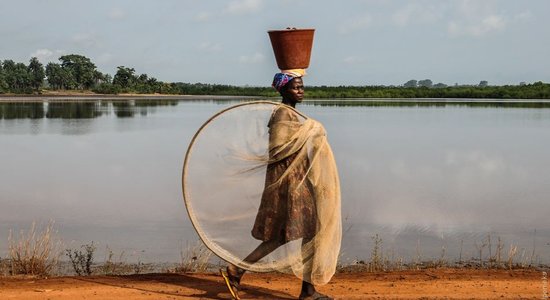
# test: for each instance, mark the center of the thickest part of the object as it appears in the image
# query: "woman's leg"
(260, 252)
(234, 273)
(308, 289)
(307, 257)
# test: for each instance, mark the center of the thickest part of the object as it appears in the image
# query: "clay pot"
(292, 47)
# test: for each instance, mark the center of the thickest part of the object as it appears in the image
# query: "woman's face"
(295, 91)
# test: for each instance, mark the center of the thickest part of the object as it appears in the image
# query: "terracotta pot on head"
(292, 47)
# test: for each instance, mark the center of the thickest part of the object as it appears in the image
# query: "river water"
(431, 179)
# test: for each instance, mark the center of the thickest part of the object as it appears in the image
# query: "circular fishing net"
(260, 177)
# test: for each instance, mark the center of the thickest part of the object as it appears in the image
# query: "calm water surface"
(431, 180)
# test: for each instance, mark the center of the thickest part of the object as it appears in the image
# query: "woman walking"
(301, 196)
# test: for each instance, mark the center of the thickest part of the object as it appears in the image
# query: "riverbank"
(91, 97)
(421, 284)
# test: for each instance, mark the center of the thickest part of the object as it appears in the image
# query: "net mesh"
(262, 173)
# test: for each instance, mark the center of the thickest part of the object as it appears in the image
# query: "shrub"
(82, 261)
(34, 252)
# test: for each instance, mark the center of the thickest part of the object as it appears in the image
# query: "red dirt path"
(423, 284)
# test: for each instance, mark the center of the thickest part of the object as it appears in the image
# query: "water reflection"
(142, 107)
(422, 176)
(22, 111)
(86, 110)
(80, 110)
(123, 109)
(433, 103)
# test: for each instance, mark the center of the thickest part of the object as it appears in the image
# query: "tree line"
(77, 72)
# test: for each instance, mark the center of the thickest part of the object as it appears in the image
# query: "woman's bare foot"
(315, 296)
(232, 276)
(235, 272)
(309, 293)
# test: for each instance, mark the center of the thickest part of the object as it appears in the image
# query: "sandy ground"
(424, 284)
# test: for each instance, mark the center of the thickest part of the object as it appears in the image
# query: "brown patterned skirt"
(287, 210)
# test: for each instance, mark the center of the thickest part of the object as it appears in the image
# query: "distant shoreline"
(74, 97)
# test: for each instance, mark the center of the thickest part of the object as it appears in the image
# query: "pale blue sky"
(357, 42)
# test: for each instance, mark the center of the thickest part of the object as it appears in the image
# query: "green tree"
(81, 69)
(107, 78)
(154, 84)
(104, 84)
(16, 76)
(425, 83)
(53, 76)
(36, 73)
(411, 83)
(8, 67)
(3, 85)
(124, 77)
(483, 83)
(142, 78)
(59, 77)
(100, 78)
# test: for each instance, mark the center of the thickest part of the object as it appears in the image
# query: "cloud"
(235, 7)
(104, 58)
(210, 47)
(352, 60)
(239, 7)
(252, 59)
(357, 23)
(476, 19)
(85, 40)
(524, 16)
(203, 16)
(47, 55)
(484, 26)
(414, 13)
(116, 14)
(492, 23)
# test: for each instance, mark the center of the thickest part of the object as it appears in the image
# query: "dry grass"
(114, 265)
(34, 252)
(195, 258)
(4, 267)
(37, 252)
(117, 265)
(484, 258)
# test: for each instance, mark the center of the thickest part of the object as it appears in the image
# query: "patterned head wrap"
(280, 80)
